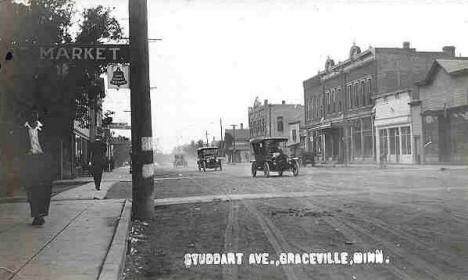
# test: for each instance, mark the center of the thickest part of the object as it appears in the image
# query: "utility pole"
(221, 126)
(206, 134)
(234, 142)
(140, 102)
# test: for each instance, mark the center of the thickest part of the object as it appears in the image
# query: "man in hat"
(98, 160)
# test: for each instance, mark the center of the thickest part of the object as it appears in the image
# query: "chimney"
(265, 101)
(241, 126)
(450, 50)
(283, 102)
(406, 45)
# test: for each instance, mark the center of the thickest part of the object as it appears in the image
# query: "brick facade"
(339, 100)
(271, 120)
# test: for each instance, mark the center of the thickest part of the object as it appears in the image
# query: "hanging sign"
(118, 76)
(106, 53)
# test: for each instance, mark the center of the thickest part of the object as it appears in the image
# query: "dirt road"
(416, 220)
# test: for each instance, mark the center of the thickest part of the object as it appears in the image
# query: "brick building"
(339, 101)
(440, 113)
(271, 120)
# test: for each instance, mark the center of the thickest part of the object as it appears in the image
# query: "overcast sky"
(215, 57)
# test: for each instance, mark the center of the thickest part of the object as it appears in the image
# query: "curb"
(115, 258)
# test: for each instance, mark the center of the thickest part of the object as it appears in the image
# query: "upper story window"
(279, 123)
(338, 99)
(327, 101)
(356, 95)
(369, 91)
(294, 135)
(363, 93)
(348, 95)
(332, 101)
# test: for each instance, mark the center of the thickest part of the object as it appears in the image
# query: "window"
(367, 136)
(363, 93)
(394, 141)
(405, 140)
(357, 138)
(314, 108)
(369, 91)
(279, 123)
(333, 99)
(327, 101)
(338, 97)
(348, 94)
(383, 141)
(294, 135)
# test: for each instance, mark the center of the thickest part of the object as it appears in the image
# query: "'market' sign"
(104, 53)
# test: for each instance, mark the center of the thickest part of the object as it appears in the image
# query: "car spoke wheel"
(266, 169)
(295, 169)
(254, 169)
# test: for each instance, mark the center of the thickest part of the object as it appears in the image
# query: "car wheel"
(295, 169)
(266, 169)
(254, 169)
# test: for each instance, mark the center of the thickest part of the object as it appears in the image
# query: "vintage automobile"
(308, 158)
(269, 156)
(208, 158)
(179, 160)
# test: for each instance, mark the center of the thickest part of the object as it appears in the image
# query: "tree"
(61, 91)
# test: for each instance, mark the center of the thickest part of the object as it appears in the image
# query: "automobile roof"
(207, 148)
(261, 139)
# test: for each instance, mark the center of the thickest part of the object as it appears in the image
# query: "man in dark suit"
(98, 161)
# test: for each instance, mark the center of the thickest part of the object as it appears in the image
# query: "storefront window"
(405, 140)
(394, 141)
(357, 138)
(383, 141)
(367, 134)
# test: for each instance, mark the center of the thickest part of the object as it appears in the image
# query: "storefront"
(393, 128)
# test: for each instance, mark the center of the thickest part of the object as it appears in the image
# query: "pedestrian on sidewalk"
(36, 174)
(98, 161)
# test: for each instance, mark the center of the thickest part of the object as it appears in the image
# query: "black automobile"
(308, 158)
(208, 159)
(179, 160)
(269, 156)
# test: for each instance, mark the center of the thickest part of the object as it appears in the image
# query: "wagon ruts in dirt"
(269, 157)
(208, 159)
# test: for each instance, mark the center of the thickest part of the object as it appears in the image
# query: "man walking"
(98, 161)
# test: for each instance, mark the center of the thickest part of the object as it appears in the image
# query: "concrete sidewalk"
(72, 244)
(81, 239)
(78, 188)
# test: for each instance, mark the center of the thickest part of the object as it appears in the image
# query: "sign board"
(119, 126)
(98, 53)
(118, 76)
